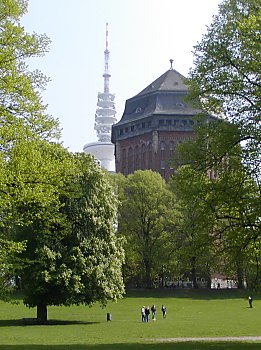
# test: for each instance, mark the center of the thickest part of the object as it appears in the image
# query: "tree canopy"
(58, 210)
(144, 218)
(226, 75)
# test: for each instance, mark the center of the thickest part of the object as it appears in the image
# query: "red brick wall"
(149, 151)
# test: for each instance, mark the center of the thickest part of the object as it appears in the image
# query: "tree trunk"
(193, 272)
(42, 313)
(147, 281)
(240, 277)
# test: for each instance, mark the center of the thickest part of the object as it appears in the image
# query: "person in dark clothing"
(153, 312)
(143, 314)
(250, 301)
(147, 314)
(164, 311)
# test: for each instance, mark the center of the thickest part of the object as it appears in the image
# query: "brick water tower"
(153, 123)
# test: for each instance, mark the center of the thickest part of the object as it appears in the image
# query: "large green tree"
(225, 81)
(73, 255)
(193, 234)
(145, 218)
(22, 114)
(226, 75)
(59, 204)
(229, 194)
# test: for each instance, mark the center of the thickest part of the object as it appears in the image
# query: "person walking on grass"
(147, 314)
(250, 301)
(153, 312)
(143, 314)
(164, 311)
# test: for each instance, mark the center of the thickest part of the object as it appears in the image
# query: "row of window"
(137, 154)
(161, 122)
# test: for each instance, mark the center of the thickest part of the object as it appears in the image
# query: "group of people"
(145, 313)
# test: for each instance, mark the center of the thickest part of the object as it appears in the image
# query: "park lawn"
(189, 314)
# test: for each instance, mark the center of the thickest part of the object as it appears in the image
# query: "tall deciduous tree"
(145, 216)
(229, 194)
(226, 75)
(22, 114)
(59, 204)
(194, 230)
(73, 254)
(226, 82)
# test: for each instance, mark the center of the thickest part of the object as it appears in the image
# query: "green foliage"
(226, 77)
(20, 99)
(73, 253)
(59, 204)
(216, 178)
(194, 229)
(8, 265)
(226, 83)
(144, 219)
(22, 123)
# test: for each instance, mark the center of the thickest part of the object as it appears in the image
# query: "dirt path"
(225, 339)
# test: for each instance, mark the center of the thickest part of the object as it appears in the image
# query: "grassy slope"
(189, 314)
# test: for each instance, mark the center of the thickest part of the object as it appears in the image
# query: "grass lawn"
(189, 314)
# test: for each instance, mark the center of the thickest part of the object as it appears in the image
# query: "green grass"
(189, 314)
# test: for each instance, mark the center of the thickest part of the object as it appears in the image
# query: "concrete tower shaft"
(103, 150)
(105, 113)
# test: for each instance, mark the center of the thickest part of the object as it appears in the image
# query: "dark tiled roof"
(166, 95)
(169, 81)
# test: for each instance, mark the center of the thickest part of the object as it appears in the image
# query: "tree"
(73, 254)
(226, 76)
(226, 82)
(59, 204)
(144, 217)
(20, 100)
(22, 114)
(194, 229)
(229, 194)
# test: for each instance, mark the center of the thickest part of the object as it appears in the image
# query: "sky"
(143, 36)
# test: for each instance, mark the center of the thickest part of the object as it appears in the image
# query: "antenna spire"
(105, 112)
(106, 74)
(171, 63)
(107, 36)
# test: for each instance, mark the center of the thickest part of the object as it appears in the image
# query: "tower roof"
(164, 96)
(171, 80)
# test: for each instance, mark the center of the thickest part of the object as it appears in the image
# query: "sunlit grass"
(189, 314)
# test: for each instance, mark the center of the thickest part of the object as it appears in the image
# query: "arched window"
(171, 149)
(130, 161)
(143, 157)
(137, 158)
(150, 156)
(162, 150)
(123, 161)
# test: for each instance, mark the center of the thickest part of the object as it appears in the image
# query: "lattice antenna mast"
(105, 113)
(106, 74)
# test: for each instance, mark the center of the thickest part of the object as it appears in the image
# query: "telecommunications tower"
(103, 149)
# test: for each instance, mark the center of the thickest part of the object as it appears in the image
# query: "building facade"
(153, 123)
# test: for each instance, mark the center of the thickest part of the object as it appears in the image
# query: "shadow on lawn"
(155, 346)
(12, 323)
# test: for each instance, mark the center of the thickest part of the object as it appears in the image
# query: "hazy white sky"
(143, 36)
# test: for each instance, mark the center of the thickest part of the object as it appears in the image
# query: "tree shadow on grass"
(12, 323)
(154, 346)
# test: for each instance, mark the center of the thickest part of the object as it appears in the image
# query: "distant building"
(103, 149)
(153, 123)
